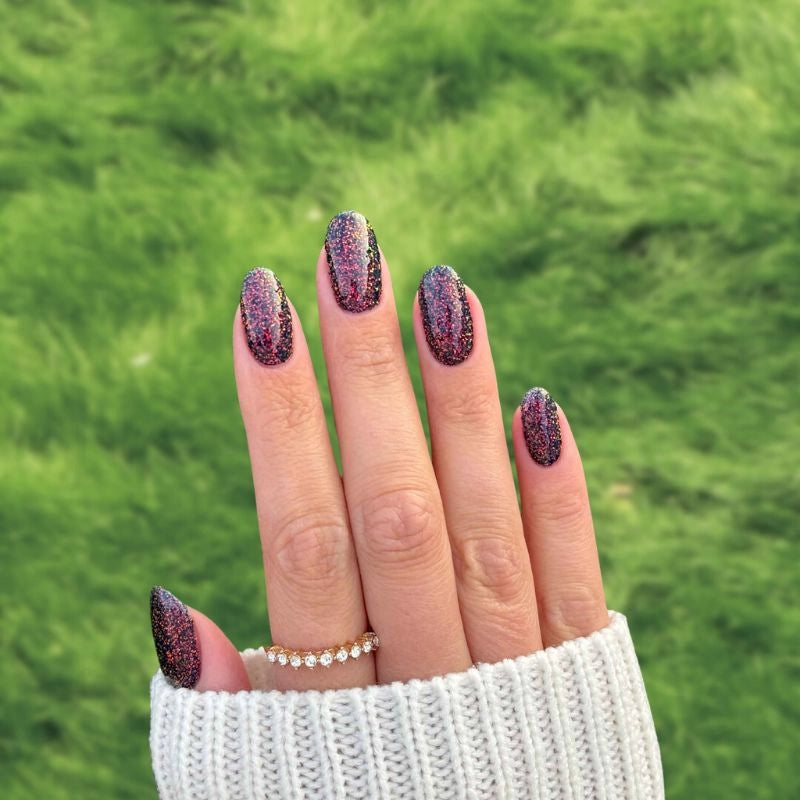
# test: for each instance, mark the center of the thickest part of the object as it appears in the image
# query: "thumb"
(192, 651)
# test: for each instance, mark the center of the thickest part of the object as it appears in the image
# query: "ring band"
(286, 657)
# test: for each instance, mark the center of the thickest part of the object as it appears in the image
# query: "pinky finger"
(558, 522)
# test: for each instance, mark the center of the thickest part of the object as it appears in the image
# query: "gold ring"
(287, 657)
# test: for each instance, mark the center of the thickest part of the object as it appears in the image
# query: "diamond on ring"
(283, 656)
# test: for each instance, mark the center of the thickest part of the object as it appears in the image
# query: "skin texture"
(429, 551)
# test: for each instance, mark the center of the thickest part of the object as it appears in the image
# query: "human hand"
(432, 554)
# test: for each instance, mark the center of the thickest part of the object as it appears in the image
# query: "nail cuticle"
(267, 317)
(541, 426)
(446, 315)
(354, 262)
(175, 639)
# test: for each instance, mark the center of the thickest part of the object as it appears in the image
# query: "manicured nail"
(446, 317)
(354, 262)
(266, 317)
(541, 427)
(175, 638)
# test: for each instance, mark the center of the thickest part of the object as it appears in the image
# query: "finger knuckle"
(468, 408)
(374, 354)
(401, 528)
(285, 407)
(311, 551)
(493, 566)
(566, 508)
(576, 609)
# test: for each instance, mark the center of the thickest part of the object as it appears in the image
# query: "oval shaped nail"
(541, 426)
(354, 262)
(446, 316)
(266, 316)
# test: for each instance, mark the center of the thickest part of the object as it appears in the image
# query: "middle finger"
(395, 510)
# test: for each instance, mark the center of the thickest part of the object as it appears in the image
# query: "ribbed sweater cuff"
(567, 722)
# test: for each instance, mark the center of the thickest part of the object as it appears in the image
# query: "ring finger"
(470, 455)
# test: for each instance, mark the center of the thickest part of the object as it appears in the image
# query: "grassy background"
(618, 182)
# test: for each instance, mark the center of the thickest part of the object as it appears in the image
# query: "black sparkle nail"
(446, 317)
(541, 427)
(266, 317)
(175, 638)
(354, 262)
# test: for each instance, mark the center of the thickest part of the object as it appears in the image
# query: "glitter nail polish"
(446, 317)
(541, 427)
(266, 317)
(354, 262)
(175, 638)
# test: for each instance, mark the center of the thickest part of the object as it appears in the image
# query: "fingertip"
(541, 427)
(354, 264)
(445, 320)
(192, 651)
(474, 301)
(221, 666)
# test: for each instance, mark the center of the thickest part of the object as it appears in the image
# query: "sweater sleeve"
(570, 721)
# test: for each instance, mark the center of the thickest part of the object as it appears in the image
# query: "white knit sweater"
(567, 722)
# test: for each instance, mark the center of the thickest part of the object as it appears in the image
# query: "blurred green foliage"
(617, 181)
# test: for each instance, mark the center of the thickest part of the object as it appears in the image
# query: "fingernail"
(175, 638)
(266, 317)
(354, 262)
(446, 317)
(541, 427)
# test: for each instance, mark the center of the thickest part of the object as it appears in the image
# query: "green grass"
(619, 184)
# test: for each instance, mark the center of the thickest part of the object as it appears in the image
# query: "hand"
(432, 554)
